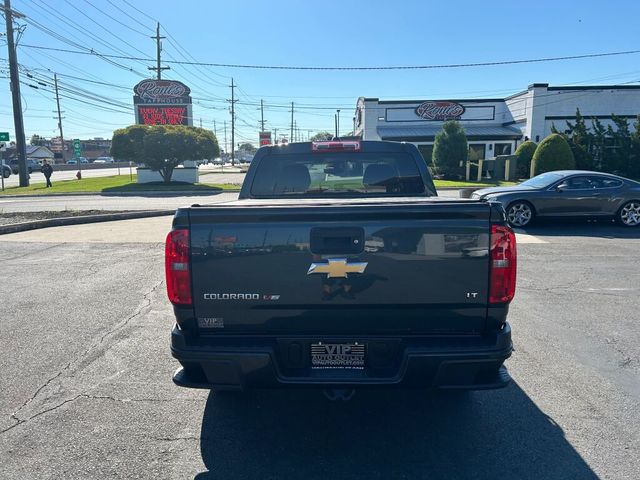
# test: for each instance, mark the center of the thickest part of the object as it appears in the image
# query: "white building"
(494, 126)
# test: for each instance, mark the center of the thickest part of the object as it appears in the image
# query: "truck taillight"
(503, 264)
(177, 267)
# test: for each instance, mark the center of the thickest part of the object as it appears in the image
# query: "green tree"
(247, 147)
(37, 140)
(163, 147)
(579, 140)
(450, 150)
(579, 132)
(553, 153)
(524, 154)
(321, 137)
(598, 143)
(618, 159)
(127, 143)
(634, 166)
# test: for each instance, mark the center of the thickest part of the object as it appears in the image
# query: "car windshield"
(312, 174)
(543, 180)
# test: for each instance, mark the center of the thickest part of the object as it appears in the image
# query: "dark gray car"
(569, 193)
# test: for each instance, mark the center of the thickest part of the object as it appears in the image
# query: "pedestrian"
(47, 170)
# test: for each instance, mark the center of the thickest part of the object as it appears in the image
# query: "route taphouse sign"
(440, 110)
(162, 102)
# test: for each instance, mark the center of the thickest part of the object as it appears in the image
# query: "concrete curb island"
(62, 221)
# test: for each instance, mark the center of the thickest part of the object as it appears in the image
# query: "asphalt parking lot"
(87, 392)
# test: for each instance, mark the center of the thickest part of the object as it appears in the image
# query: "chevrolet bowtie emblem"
(337, 268)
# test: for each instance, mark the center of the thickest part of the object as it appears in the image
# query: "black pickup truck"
(340, 267)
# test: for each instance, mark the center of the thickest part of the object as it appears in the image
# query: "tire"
(30, 170)
(520, 214)
(629, 214)
(6, 173)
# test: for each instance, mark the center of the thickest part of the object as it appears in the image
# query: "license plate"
(337, 355)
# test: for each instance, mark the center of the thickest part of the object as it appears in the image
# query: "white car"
(103, 160)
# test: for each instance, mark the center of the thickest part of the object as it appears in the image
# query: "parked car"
(103, 160)
(32, 165)
(567, 194)
(339, 267)
(6, 171)
(74, 161)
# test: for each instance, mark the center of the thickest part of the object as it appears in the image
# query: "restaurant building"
(494, 126)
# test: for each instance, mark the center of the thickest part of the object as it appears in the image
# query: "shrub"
(450, 150)
(553, 153)
(524, 154)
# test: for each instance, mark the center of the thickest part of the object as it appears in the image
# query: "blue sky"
(346, 33)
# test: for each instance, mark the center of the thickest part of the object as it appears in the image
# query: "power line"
(353, 68)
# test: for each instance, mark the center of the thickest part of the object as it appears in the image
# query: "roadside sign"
(76, 147)
(265, 138)
(4, 136)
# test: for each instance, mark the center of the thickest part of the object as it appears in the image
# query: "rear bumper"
(236, 363)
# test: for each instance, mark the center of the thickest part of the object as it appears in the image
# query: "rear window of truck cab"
(335, 173)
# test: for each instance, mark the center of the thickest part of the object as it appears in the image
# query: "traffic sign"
(76, 147)
(4, 136)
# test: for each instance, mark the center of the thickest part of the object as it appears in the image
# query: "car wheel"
(30, 170)
(520, 214)
(6, 173)
(629, 214)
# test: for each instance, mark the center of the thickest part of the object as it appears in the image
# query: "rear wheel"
(520, 213)
(6, 173)
(629, 214)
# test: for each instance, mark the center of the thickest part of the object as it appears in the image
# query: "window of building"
(477, 151)
(502, 149)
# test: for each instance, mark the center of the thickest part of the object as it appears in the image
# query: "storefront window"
(502, 149)
(427, 153)
(476, 151)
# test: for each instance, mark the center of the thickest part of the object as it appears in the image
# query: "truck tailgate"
(382, 268)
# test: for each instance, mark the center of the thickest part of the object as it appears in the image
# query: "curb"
(58, 222)
(148, 193)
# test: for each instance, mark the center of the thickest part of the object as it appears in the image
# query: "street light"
(338, 124)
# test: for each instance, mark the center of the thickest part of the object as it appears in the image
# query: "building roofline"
(596, 87)
(514, 95)
(456, 100)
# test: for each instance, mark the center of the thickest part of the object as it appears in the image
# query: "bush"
(553, 153)
(450, 150)
(584, 160)
(524, 154)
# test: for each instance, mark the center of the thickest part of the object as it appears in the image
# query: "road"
(209, 174)
(86, 389)
(38, 177)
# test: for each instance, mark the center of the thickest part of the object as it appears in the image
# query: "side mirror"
(562, 187)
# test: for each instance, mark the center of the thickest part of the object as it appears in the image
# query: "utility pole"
(215, 130)
(261, 116)
(200, 122)
(338, 124)
(55, 82)
(14, 75)
(275, 136)
(158, 68)
(335, 120)
(225, 138)
(233, 123)
(291, 136)
(295, 131)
